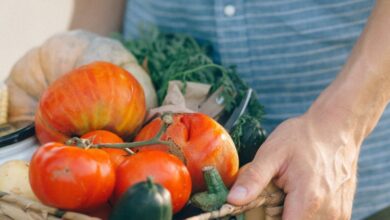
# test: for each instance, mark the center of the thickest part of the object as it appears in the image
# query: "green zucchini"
(144, 201)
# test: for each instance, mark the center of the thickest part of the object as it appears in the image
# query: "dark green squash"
(248, 135)
(144, 201)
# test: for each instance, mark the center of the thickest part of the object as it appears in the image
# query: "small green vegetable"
(216, 193)
(247, 135)
(144, 201)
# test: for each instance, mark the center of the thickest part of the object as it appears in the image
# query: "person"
(322, 72)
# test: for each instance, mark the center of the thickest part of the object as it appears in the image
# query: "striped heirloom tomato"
(96, 96)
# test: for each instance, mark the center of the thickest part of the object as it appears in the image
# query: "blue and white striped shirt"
(288, 51)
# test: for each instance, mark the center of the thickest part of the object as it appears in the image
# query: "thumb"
(255, 176)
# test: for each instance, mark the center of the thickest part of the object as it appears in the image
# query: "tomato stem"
(167, 119)
(130, 152)
(133, 144)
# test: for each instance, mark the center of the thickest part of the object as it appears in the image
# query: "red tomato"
(204, 143)
(96, 96)
(164, 168)
(105, 137)
(70, 177)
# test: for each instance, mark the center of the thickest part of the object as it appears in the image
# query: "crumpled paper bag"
(194, 99)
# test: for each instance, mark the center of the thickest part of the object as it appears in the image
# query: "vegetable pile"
(100, 153)
(169, 56)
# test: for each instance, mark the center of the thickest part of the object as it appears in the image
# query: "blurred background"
(27, 23)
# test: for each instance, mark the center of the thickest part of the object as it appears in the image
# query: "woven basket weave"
(13, 207)
(268, 206)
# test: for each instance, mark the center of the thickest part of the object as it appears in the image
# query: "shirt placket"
(231, 32)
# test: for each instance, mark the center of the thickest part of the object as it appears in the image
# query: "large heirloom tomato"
(96, 96)
(204, 143)
(164, 168)
(105, 137)
(71, 178)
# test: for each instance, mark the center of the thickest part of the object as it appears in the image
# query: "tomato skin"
(204, 143)
(71, 178)
(164, 168)
(96, 96)
(105, 137)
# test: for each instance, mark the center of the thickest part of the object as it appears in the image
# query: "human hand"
(313, 161)
(313, 157)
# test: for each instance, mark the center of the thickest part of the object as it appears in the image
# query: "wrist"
(353, 103)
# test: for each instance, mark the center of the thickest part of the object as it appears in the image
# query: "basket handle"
(272, 198)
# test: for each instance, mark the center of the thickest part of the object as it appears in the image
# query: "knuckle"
(252, 174)
(333, 213)
(346, 212)
(315, 201)
(243, 168)
(345, 216)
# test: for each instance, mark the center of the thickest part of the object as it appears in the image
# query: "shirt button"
(229, 10)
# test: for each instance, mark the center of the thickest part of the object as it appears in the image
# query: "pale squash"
(63, 52)
(14, 179)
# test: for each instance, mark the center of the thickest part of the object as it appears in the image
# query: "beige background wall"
(27, 23)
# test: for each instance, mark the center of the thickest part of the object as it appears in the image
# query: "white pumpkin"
(58, 55)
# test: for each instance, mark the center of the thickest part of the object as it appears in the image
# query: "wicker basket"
(13, 207)
(266, 207)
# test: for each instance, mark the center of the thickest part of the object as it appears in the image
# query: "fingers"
(305, 201)
(255, 176)
(292, 208)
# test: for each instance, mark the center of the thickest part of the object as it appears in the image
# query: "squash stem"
(149, 182)
(213, 180)
(216, 193)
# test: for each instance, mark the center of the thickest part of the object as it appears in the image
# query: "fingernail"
(237, 193)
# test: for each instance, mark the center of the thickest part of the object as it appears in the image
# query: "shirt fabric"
(288, 51)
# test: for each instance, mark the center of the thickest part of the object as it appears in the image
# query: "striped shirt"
(288, 51)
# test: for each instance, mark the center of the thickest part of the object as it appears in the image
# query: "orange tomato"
(164, 168)
(105, 137)
(203, 142)
(96, 96)
(71, 178)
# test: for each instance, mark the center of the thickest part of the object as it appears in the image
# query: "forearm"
(356, 99)
(100, 16)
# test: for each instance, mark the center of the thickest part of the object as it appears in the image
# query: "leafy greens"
(170, 56)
